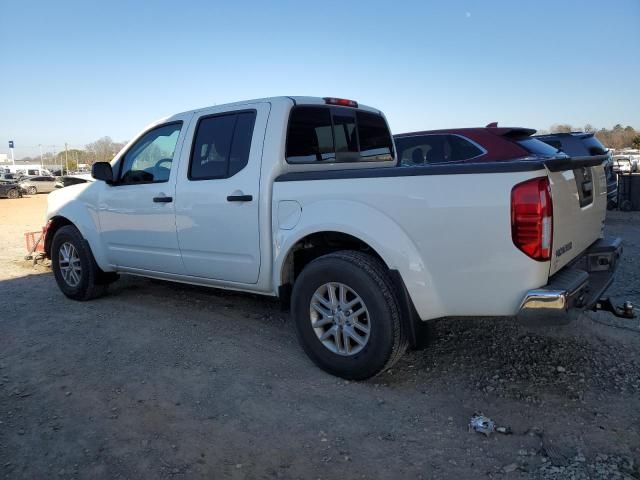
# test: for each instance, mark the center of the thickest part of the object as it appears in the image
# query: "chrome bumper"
(579, 285)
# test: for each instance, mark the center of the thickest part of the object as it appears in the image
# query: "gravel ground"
(159, 380)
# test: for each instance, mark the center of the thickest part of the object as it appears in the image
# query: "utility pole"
(66, 157)
(41, 161)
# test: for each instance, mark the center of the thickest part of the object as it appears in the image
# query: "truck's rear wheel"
(76, 272)
(347, 315)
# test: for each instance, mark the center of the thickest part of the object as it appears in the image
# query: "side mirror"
(102, 171)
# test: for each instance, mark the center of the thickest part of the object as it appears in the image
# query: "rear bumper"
(578, 286)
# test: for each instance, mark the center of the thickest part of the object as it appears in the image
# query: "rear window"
(594, 146)
(461, 149)
(537, 147)
(374, 136)
(576, 145)
(432, 149)
(421, 149)
(554, 143)
(335, 134)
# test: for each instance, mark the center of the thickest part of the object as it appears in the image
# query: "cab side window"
(421, 149)
(149, 159)
(222, 145)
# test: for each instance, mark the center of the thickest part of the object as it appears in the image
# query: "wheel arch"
(368, 230)
(315, 244)
(54, 224)
(87, 228)
(319, 243)
(372, 229)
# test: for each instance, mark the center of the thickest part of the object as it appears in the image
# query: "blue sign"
(10, 143)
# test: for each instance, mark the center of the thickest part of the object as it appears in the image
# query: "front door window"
(149, 159)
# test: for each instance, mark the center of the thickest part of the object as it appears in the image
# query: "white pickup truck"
(302, 198)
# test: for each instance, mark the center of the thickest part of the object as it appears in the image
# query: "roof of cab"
(296, 100)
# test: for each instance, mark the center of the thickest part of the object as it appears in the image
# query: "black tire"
(91, 284)
(369, 278)
(32, 191)
(13, 193)
(626, 206)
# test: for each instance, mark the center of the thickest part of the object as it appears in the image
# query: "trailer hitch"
(606, 305)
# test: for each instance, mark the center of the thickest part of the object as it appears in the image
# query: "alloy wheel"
(70, 265)
(340, 318)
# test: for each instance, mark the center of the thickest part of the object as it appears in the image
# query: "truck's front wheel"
(347, 316)
(74, 267)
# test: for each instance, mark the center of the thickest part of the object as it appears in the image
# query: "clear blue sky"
(73, 71)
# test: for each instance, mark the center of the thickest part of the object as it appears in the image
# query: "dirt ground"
(158, 380)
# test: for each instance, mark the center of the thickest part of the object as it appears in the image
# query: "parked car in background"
(469, 145)
(32, 170)
(301, 198)
(11, 190)
(34, 185)
(68, 180)
(624, 164)
(8, 177)
(582, 144)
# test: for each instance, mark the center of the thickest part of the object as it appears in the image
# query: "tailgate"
(579, 194)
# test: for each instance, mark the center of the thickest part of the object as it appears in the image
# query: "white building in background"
(4, 158)
(30, 169)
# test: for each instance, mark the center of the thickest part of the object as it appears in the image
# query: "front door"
(218, 197)
(47, 184)
(137, 212)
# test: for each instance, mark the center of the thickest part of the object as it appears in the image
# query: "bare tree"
(561, 128)
(103, 150)
(616, 137)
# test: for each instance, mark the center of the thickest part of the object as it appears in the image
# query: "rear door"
(47, 184)
(218, 194)
(37, 182)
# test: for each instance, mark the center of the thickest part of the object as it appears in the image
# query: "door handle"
(239, 198)
(163, 199)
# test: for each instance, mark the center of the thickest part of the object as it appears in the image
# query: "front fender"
(377, 230)
(77, 204)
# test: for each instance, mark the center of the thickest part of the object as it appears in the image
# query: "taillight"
(532, 218)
